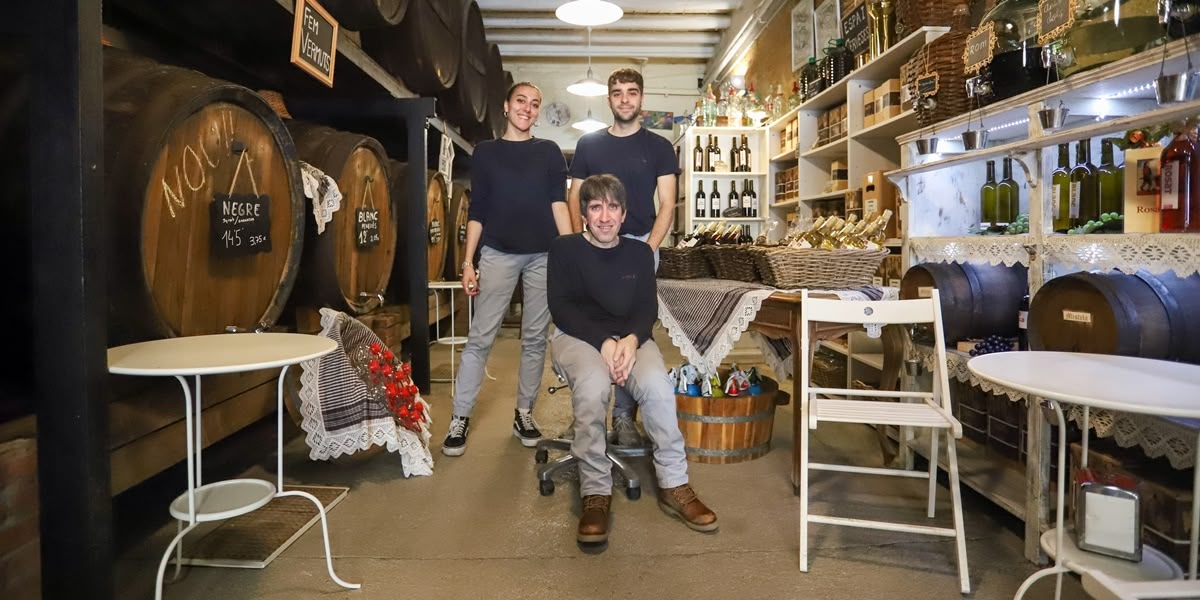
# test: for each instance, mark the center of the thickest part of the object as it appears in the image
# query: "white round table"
(196, 356)
(1120, 383)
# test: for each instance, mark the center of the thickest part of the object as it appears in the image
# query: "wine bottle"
(1023, 324)
(987, 198)
(714, 202)
(745, 160)
(735, 154)
(701, 200)
(1060, 185)
(746, 238)
(734, 208)
(698, 157)
(1110, 179)
(812, 238)
(1085, 191)
(799, 239)
(1008, 197)
(747, 199)
(879, 238)
(716, 156)
(1174, 198)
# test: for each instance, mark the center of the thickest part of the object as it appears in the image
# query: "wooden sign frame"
(299, 34)
(937, 85)
(987, 30)
(1047, 37)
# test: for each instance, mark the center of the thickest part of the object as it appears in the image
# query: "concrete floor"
(478, 527)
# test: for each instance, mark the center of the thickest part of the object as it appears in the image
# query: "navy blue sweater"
(595, 293)
(513, 185)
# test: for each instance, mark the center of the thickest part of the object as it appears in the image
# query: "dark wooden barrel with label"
(348, 265)
(727, 430)
(456, 227)
(978, 300)
(466, 103)
(366, 14)
(205, 203)
(434, 233)
(424, 49)
(1147, 315)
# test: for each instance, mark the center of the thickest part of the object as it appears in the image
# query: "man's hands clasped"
(620, 357)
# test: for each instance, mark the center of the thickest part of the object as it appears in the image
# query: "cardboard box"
(887, 100)
(879, 194)
(1141, 189)
(869, 108)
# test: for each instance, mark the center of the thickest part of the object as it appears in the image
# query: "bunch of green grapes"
(1021, 225)
(1111, 220)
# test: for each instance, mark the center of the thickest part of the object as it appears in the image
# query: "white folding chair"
(908, 409)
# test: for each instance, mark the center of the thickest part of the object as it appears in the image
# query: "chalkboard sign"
(856, 31)
(366, 228)
(239, 225)
(977, 53)
(1054, 17)
(927, 85)
(314, 40)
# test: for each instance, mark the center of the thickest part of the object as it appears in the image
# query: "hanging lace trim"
(1154, 252)
(730, 331)
(323, 191)
(1005, 250)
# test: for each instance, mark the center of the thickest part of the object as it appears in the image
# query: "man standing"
(643, 162)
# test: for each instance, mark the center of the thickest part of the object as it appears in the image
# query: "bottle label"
(716, 205)
(1170, 185)
(1077, 316)
(1056, 193)
(1076, 191)
(1023, 319)
(925, 291)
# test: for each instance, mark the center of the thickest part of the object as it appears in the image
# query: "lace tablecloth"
(706, 317)
(1173, 438)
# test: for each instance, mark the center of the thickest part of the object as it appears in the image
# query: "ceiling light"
(589, 124)
(589, 13)
(588, 86)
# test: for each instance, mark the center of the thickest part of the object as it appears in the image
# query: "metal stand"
(453, 339)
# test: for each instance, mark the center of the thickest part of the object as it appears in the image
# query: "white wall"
(669, 87)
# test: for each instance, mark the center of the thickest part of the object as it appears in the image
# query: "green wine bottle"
(987, 199)
(1085, 189)
(1008, 197)
(1060, 184)
(1111, 180)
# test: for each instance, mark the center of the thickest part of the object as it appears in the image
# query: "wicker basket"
(734, 262)
(944, 57)
(912, 15)
(814, 268)
(683, 263)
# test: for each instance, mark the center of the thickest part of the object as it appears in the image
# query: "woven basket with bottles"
(733, 261)
(816, 268)
(683, 263)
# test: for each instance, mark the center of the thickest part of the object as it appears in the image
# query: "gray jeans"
(648, 385)
(624, 404)
(498, 274)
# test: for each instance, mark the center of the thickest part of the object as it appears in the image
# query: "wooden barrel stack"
(727, 430)
(456, 227)
(497, 86)
(466, 103)
(436, 234)
(193, 152)
(424, 49)
(978, 300)
(1141, 314)
(347, 267)
(366, 14)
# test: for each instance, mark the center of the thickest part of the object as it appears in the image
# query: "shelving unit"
(686, 218)
(863, 149)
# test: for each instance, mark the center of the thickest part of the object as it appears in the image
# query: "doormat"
(253, 540)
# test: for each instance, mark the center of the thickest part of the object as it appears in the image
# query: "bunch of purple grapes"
(992, 343)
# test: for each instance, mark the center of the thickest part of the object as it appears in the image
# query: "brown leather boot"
(683, 504)
(593, 523)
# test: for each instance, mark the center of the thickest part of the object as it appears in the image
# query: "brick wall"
(20, 564)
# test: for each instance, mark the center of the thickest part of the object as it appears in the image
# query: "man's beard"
(633, 117)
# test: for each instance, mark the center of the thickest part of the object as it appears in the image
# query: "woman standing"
(518, 206)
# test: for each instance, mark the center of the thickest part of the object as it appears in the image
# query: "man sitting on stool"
(601, 292)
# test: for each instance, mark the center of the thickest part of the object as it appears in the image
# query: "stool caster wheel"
(633, 493)
(546, 487)
(541, 457)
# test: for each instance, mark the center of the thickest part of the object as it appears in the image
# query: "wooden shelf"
(882, 68)
(705, 174)
(730, 219)
(889, 129)
(837, 195)
(835, 149)
(789, 156)
(998, 479)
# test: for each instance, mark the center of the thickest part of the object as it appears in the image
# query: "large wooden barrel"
(347, 267)
(366, 14)
(466, 103)
(424, 49)
(184, 150)
(435, 232)
(727, 430)
(1152, 316)
(456, 228)
(978, 300)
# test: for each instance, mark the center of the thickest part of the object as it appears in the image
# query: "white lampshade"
(589, 13)
(589, 124)
(588, 86)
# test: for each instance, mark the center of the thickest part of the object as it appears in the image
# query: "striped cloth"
(339, 411)
(706, 317)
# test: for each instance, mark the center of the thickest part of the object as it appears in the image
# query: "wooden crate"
(1166, 493)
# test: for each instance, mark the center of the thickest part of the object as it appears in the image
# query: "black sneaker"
(525, 429)
(456, 437)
